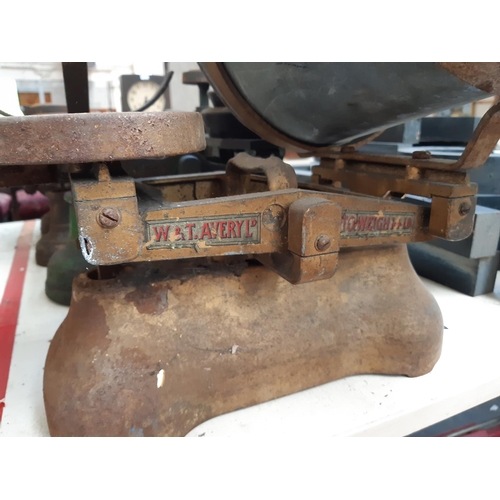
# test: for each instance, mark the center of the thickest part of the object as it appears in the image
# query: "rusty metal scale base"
(164, 348)
(219, 291)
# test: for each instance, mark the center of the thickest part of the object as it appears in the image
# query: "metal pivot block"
(56, 236)
(452, 219)
(104, 205)
(313, 242)
(164, 347)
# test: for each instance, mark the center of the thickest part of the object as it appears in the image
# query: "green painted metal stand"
(66, 263)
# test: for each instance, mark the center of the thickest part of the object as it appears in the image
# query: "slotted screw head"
(109, 217)
(322, 243)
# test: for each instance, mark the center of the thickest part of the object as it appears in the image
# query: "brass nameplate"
(204, 231)
(376, 224)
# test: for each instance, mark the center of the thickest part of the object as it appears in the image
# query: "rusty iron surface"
(162, 348)
(314, 226)
(94, 137)
(252, 223)
(483, 141)
(478, 149)
(376, 179)
(279, 174)
(192, 216)
(56, 235)
(483, 75)
(389, 160)
(453, 195)
(452, 219)
(298, 270)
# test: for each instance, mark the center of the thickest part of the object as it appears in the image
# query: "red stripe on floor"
(9, 307)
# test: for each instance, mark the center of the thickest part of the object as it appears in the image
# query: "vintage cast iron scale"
(218, 291)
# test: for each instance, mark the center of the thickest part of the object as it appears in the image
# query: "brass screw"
(322, 243)
(109, 217)
(421, 155)
(464, 208)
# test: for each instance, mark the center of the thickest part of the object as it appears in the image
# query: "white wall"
(183, 97)
(104, 85)
(9, 100)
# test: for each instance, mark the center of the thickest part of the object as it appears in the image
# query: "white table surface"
(467, 374)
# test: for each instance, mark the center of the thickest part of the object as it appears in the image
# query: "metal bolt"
(274, 217)
(421, 155)
(464, 208)
(109, 217)
(322, 243)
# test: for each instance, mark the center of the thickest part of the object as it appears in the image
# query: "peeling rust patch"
(147, 302)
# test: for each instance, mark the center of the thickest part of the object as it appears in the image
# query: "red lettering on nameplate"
(376, 224)
(204, 231)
